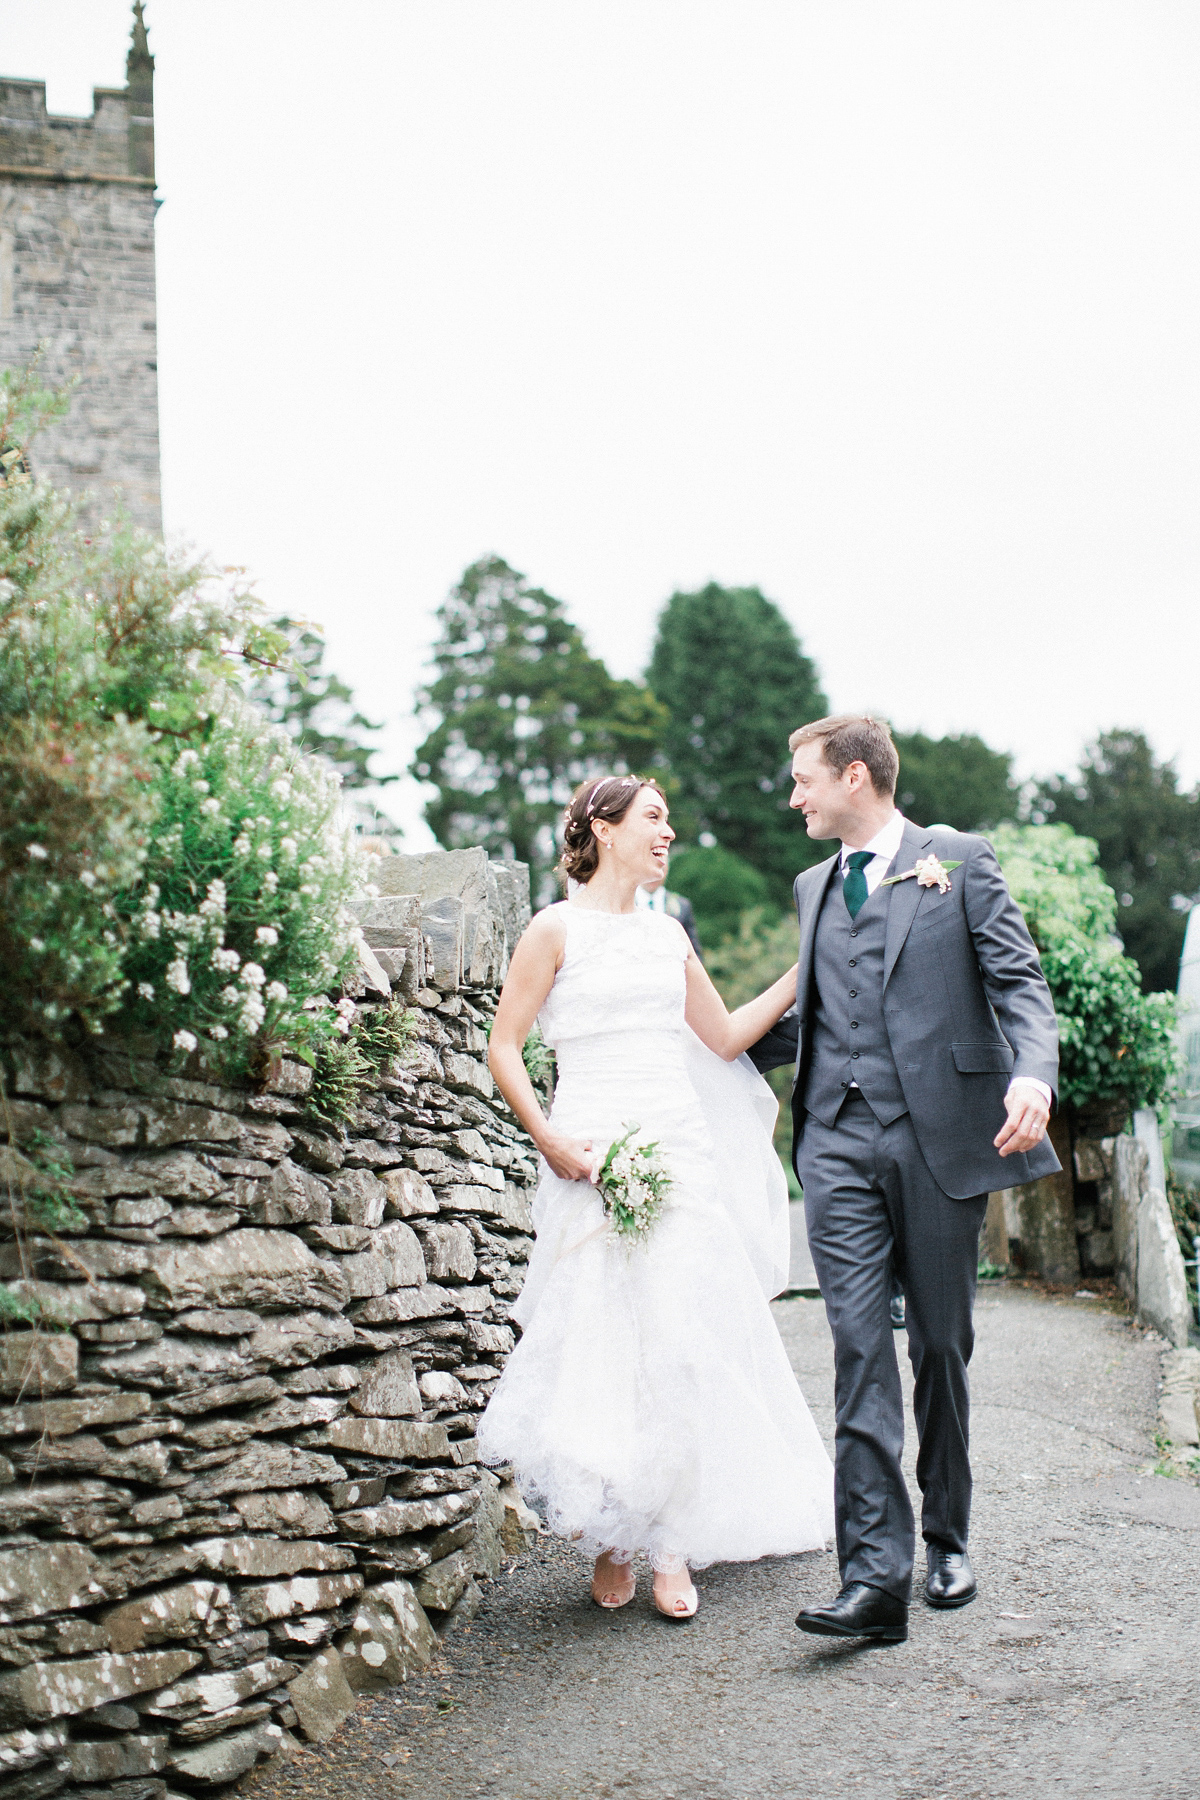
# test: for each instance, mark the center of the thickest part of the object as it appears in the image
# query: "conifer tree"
(520, 713)
(730, 670)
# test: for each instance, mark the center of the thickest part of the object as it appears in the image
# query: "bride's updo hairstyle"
(610, 798)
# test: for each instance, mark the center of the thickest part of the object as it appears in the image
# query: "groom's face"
(828, 800)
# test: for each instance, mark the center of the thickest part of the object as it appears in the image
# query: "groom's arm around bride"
(926, 1057)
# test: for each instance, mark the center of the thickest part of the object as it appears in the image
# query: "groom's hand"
(1028, 1113)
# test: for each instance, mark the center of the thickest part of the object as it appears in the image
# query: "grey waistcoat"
(849, 1038)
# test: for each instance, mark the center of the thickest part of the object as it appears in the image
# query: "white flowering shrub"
(240, 923)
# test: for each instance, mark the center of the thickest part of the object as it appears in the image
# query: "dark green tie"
(854, 887)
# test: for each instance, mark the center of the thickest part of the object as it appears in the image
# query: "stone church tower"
(77, 213)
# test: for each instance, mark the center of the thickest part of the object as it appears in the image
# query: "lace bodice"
(622, 977)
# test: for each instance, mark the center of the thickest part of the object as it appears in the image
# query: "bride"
(649, 1405)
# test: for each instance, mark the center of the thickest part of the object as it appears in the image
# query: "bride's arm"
(730, 1033)
(530, 977)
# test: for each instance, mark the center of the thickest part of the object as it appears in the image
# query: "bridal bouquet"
(634, 1184)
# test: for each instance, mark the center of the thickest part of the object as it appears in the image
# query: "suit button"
(854, 1024)
(845, 1084)
(854, 993)
(854, 934)
(854, 962)
(854, 1056)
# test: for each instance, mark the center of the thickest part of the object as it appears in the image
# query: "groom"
(926, 1055)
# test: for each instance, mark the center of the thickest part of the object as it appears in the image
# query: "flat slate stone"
(48, 1690)
(322, 1696)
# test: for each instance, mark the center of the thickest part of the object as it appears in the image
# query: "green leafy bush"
(241, 915)
(167, 858)
(721, 887)
(1116, 1043)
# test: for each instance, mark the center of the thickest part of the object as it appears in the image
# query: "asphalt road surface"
(1076, 1672)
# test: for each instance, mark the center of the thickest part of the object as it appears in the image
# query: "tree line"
(518, 710)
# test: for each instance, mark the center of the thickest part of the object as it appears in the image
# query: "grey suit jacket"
(965, 1007)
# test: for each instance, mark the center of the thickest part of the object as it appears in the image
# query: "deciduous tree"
(520, 713)
(955, 781)
(1148, 835)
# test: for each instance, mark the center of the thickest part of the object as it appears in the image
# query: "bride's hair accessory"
(607, 799)
(634, 1184)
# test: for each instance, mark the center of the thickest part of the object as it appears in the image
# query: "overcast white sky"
(888, 308)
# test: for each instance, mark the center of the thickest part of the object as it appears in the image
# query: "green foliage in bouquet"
(1116, 1043)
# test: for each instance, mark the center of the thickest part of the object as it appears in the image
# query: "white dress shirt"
(885, 844)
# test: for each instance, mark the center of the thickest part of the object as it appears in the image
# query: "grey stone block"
(321, 1696)
(50, 1690)
(1162, 1296)
(449, 1250)
(214, 1693)
(261, 1557)
(192, 1609)
(217, 1763)
(388, 1389)
(250, 1268)
(289, 1515)
(359, 1197)
(48, 1578)
(38, 1363)
(302, 1594)
(113, 1759)
(397, 1439)
(390, 1639)
(409, 1195)
(439, 1586)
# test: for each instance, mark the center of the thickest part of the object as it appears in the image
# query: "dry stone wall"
(241, 1488)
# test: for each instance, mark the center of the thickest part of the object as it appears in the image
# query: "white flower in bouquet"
(634, 1184)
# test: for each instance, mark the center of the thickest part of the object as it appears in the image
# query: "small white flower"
(183, 762)
(37, 944)
(150, 924)
(288, 847)
(225, 960)
(266, 934)
(276, 990)
(253, 975)
(231, 995)
(270, 881)
(177, 976)
(241, 845)
(146, 990)
(87, 878)
(184, 1040)
(201, 787)
(282, 789)
(211, 808)
(38, 852)
(252, 1015)
(218, 1031)
(265, 853)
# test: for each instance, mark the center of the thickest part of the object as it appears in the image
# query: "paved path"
(1076, 1672)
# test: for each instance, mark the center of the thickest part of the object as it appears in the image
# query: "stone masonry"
(77, 211)
(240, 1488)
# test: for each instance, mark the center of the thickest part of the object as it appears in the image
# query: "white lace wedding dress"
(649, 1405)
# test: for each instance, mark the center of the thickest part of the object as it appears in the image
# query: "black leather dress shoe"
(859, 1611)
(951, 1579)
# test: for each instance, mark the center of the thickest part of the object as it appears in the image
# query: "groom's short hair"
(854, 737)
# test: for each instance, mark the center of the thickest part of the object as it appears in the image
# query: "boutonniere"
(929, 873)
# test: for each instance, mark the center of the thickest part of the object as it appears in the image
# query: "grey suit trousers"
(874, 1210)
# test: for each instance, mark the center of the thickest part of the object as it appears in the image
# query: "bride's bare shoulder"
(546, 931)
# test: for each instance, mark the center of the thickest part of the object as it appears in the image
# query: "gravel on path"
(1076, 1672)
